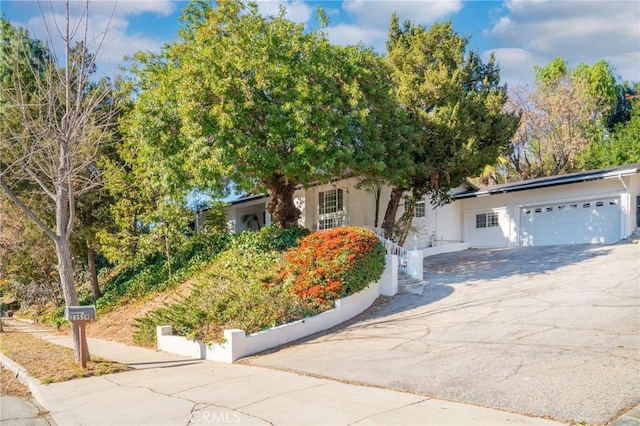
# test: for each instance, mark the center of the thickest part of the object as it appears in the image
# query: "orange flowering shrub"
(331, 264)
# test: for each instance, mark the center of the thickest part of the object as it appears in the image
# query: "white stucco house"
(599, 206)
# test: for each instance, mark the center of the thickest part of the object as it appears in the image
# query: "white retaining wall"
(446, 248)
(415, 264)
(238, 344)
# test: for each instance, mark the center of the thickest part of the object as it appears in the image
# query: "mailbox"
(80, 316)
(80, 313)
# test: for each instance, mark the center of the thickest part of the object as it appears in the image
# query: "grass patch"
(49, 362)
(10, 385)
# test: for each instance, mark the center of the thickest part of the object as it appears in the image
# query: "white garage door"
(593, 221)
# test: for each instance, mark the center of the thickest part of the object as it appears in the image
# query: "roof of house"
(586, 176)
(475, 191)
(247, 197)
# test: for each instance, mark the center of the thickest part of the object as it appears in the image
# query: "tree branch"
(27, 211)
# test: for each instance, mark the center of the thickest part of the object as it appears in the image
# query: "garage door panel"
(571, 223)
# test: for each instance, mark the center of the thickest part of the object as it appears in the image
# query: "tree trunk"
(65, 270)
(405, 222)
(4, 261)
(281, 206)
(388, 224)
(93, 272)
(166, 248)
(376, 195)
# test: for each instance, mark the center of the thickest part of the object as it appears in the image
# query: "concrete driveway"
(544, 331)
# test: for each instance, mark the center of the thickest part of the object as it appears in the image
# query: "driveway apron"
(543, 331)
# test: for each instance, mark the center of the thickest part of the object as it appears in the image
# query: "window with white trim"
(420, 208)
(487, 220)
(331, 210)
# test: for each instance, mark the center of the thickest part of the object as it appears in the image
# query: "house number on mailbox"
(80, 313)
(80, 316)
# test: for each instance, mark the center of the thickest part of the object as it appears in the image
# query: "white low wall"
(415, 264)
(446, 248)
(238, 344)
(389, 280)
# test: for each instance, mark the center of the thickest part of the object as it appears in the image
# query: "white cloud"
(378, 13)
(516, 64)
(136, 7)
(579, 31)
(108, 7)
(296, 10)
(350, 34)
(107, 29)
(371, 18)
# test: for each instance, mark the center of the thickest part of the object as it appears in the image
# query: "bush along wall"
(253, 285)
(332, 264)
(233, 292)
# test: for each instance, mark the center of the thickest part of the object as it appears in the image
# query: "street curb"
(21, 373)
(629, 418)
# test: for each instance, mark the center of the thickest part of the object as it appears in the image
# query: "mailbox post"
(80, 316)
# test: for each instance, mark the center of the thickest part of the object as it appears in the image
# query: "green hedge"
(269, 238)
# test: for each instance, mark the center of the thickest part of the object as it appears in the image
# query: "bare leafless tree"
(55, 121)
(556, 125)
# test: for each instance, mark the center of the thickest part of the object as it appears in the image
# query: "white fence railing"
(392, 248)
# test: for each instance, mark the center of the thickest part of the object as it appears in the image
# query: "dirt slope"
(118, 324)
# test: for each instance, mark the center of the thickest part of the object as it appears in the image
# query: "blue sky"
(522, 33)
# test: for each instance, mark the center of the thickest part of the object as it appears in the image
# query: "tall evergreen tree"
(454, 104)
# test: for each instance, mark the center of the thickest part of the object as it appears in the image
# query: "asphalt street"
(18, 411)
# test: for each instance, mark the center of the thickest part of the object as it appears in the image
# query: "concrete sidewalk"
(170, 390)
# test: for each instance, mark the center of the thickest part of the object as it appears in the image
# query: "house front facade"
(600, 206)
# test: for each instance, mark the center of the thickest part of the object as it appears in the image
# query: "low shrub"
(50, 314)
(332, 264)
(152, 275)
(268, 238)
(231, 293)
(254, 285)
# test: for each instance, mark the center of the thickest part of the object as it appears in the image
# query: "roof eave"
(610, 174)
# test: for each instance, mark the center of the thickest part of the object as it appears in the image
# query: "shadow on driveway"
(469, 268)
(544, 331)
(487, 264)
(475, 267)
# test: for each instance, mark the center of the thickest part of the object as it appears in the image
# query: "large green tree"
(146, 219)
(258, 101)
(620, 146)
(454, 104)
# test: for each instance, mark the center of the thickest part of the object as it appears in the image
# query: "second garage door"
(593, 221)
